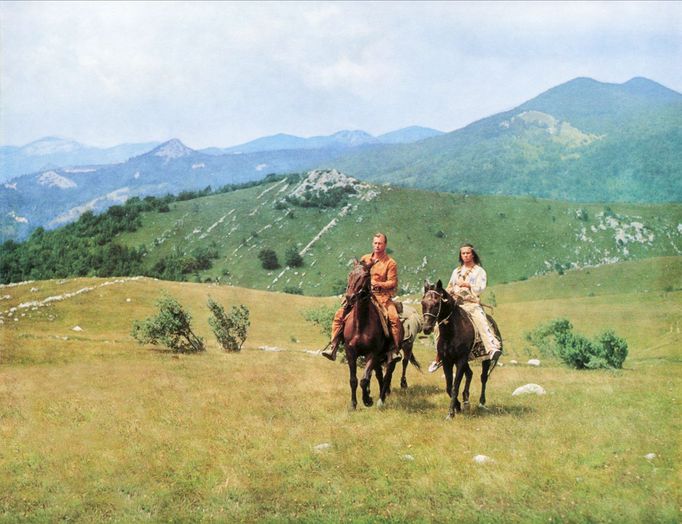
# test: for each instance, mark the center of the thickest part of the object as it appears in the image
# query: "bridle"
(440, 300)
(361, 294)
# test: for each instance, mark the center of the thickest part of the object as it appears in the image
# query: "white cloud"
(221, 73)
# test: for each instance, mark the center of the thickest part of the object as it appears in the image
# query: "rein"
(361, 294)
(440, 305)
(357, 296)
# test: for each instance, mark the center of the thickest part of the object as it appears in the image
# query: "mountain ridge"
(328, 218)
(583, 141)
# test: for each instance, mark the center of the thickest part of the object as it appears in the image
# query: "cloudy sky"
(222, 73)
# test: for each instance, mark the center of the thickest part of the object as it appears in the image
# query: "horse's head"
(436, 305)
(359, 281)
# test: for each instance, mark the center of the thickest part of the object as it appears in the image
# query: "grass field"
(95, 427)
(546, 235)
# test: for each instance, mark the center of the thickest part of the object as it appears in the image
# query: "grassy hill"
(581, 141)
(98, 428)
(516, 237)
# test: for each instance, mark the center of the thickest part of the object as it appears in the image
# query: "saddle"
(478, 349)
(383, 315)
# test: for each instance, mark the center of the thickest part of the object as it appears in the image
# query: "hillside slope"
(581, 141)
(517, 237)
(328, 219)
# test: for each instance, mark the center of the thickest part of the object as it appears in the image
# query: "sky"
(223, 73)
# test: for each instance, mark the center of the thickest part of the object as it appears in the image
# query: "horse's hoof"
(466, 407)
(450, 416)
(484, 407)
(369, 402)
(380, 404)
(403, 384)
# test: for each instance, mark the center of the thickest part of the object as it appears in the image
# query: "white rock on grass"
(409, 458)
(533, 362)
(76, 328)
(482, 459)
(514, 362)
(529, 389)
(650, 456)
(322, 447)
(270, 348)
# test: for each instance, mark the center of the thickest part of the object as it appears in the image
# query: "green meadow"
(517, 237)
(96, 428)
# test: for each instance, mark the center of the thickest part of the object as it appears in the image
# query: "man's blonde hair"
(380, 234)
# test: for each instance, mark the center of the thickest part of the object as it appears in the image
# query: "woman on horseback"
(466, 284)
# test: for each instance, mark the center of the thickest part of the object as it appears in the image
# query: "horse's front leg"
(484, 380)
(379, 374)
(353, 368)
(386, 382)
(447, 371)
(455, 406)
(365, 382)
(468, 375)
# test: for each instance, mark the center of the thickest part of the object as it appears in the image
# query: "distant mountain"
(583, 140)
(340, 140)
(580, 141)
(57, 196)
(280, 142)
(408, 135)
(52, 152)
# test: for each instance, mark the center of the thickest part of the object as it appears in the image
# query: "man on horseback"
(466, 284)
(384, 274)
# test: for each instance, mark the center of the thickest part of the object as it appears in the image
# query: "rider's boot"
(394, 353)
(330, 352)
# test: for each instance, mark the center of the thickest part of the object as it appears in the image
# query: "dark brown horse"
(363, 335)
(455, 342)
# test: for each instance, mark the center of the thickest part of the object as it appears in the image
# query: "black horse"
(456, 339)
(363, 335)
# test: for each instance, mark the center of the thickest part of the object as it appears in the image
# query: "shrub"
(614, 349)
(230, 330)
(170, 327)
(557, 339)
(322, 317)
(339, 287)
(268, 258)
(293, 257)
(293, 290)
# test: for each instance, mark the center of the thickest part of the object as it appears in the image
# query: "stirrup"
(330, 351)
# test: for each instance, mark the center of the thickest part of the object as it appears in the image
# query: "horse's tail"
(415, 362)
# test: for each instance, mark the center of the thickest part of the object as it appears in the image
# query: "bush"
(268, 258)
(558, 339)
(339, 287)
(293, 290)
(614, 349)
(322, 317)
(170, 327)
(230, 330)
(293, 257)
